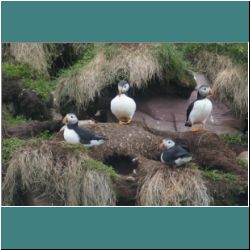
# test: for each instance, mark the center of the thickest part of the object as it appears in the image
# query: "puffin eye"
(72, 116)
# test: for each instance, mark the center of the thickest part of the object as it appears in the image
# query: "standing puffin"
(74, 134)
(174, 155)
(199, 110)
(122, 106)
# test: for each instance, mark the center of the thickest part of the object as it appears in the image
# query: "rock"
(168, 113)
(32, 106)
(10, 90)
(56, 115)
(243, 155)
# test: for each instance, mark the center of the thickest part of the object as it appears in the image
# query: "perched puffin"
(74, 134)
(122, 106)
(199, 110)
(174, 155)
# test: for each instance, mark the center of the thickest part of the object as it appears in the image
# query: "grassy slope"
(31, 79)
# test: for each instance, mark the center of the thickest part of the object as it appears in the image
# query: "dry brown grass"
(63, 174)
(134, 62)
(163, 186)
(229, 80)
(33, 54)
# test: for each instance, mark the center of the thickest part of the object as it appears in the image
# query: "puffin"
(122, 106)
(199, 110)
(74, 134)
(173, 154)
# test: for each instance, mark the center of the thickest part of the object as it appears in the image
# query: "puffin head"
(204, 91)
(167, 143)
(123, 87)
(70, 119)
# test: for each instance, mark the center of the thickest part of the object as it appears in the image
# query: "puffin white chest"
(71, 136)
(123, 106)
(201, 110)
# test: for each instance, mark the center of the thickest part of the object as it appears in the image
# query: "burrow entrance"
(126, 167)
(122, 164)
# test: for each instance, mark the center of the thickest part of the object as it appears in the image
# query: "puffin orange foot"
(122, 123)
(194, 129)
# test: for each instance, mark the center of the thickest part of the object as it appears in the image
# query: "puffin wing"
(189, 109)
(86, 136)
(181, 152)
(168, 156)
(185, 147)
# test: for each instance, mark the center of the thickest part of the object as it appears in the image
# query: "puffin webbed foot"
(194, 129)
(125, 122)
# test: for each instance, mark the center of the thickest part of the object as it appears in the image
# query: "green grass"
(88, 54)
(9, 145)
(238, 52)
(43, 88)
(242, 163)
(236, 138)
(217, 175)
(32, 79)
(174, 62)
(111, 50)
(94, 164)
(14, 120)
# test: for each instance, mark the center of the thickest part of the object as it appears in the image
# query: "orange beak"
(65, 120)
(211, 93)
(162, 146)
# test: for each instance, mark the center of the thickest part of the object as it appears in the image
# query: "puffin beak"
(65, 120)
(162, 146)
(211, 93)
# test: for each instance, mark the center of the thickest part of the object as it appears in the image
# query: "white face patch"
(72, 119)
(168, 143)
(204, 91)
(123, 87)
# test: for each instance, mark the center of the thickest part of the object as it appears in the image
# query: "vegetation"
(217, 175)
(236, 51)
(97, 165)
(31, 79)
(243, 163)
(170, 187)
(103, 65)
(236, 138)
(226, 67)
(62, 175)
(9, 146)
(88, 54)
(173, 62)
(81, 75)
(14, 120)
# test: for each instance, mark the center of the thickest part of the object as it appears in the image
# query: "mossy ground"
(31, 79)
(9, 119)
(236, 138)
(9, 145)
(217, 175)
